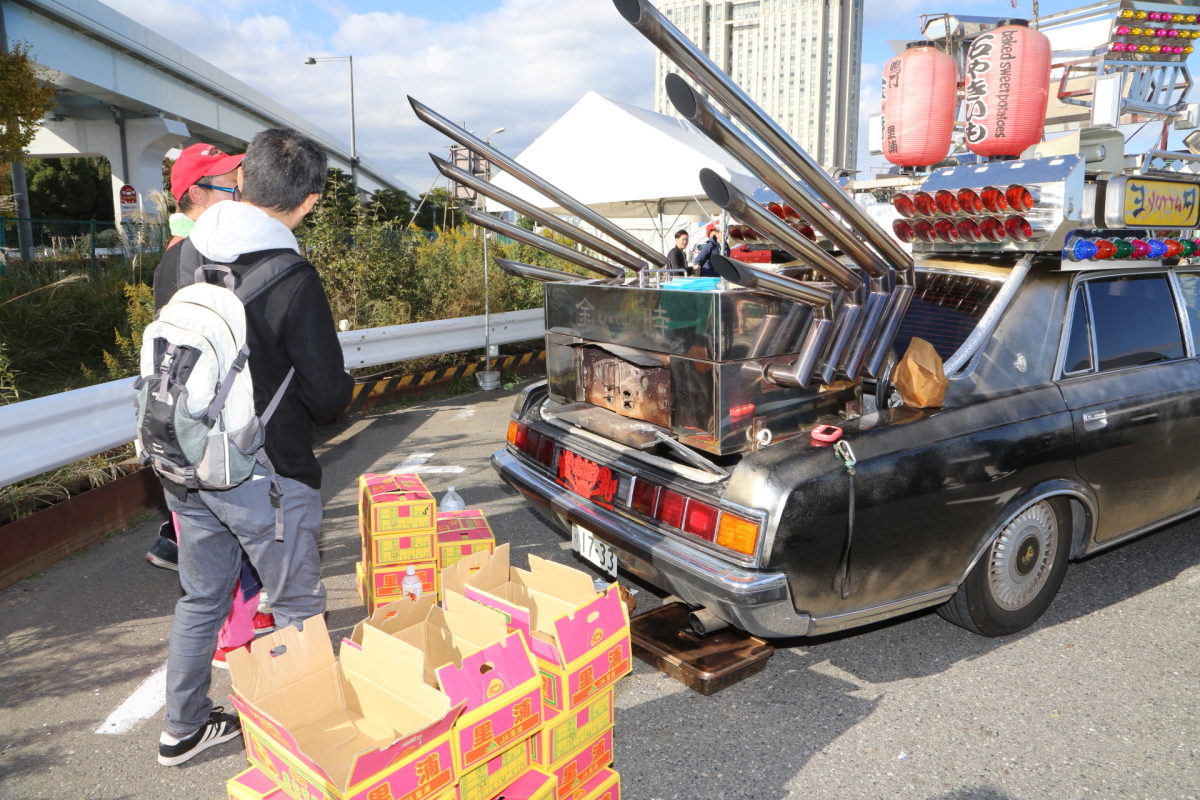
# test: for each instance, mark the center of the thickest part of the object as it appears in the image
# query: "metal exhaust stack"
(477, 146)
(536, 273)
(751, 277)
(581, 236)
(542, 243)
(651, 23)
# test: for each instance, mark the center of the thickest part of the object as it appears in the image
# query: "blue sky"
(519, 64)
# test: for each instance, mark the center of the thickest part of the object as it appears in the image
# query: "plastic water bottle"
(410, 585)
(451, 501)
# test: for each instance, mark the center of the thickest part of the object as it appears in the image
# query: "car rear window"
(945, 309)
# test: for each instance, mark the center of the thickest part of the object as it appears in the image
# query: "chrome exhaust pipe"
(751, 277)
(477, 146)
(730, 198)
(800, 372)
(536, 273)
(844, 329)
(892, 317)
(726, 135)
(877, 301)
(542, 243)
(766, 332)
(652, 24)
(487, 189)
(794, 322)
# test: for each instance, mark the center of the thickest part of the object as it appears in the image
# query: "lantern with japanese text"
(1008, 78)
(918, 105)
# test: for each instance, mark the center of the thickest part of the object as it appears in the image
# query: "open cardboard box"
(325, 728)
(580, 637)
(471, 656)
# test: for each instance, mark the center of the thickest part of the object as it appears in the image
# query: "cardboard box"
(575, 771)
(534, 784)
(606, 785)
(461, 533)
(564, 732)
(252, 784)
(394, 503)
(470, 655)
(384, 582)
(488, 779)
(580, 637)
(383, 549)
(366, 726)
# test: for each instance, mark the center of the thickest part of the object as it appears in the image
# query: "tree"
(437, 210)
(392, 204)
(25, 100)
(70, 188)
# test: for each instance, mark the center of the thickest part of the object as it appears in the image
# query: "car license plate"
(594, 551)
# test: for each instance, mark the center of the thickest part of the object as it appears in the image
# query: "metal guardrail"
(39, 435)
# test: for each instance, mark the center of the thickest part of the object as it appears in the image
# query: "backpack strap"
(265, 273)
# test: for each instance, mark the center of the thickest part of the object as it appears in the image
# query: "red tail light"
(1019, 198)
(904, 206)
(923, 229)
(645, 498)
(992, 229)
(790, 213)
(903, 230)
(1105, 249)
(969, 202)
(700, 519)
(947, 202)
(670, 508)
(775, 209)
(946, 230)
(994, 200)
(807, 232)
(1018, 228)
(968, 229)
(1174, 248)
(926, 205)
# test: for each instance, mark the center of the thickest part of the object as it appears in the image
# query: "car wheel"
(1019, 574)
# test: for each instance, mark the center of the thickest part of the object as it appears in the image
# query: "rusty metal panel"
(631, 390)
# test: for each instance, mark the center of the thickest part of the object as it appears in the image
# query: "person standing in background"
(677, 255)
(714, 244)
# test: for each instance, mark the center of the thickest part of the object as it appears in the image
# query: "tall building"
(798, 59)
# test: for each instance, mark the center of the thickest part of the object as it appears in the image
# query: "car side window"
(1079, 338)
(1189, 289)
(1135, 321)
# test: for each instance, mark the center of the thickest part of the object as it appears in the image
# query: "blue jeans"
(214, 529)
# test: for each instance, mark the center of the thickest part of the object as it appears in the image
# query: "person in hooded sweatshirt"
(288, 325)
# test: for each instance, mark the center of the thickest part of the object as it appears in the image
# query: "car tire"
(1018, 575)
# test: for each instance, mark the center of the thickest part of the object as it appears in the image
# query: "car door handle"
(1095, 420)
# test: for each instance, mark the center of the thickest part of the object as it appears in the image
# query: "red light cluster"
(744, 233)
(686, 514)
(991, 214)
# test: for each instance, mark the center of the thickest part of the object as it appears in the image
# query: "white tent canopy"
(624, 161)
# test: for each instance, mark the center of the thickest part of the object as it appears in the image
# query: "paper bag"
(919, 376)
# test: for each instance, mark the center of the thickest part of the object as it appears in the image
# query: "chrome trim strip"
(865, 616)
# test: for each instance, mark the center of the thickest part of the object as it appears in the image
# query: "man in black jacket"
(677, 255)
(288, 325)
(712, 245)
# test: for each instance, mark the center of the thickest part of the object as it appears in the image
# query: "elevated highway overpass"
(130, 95)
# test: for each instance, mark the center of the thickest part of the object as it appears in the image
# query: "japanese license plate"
(594, 551)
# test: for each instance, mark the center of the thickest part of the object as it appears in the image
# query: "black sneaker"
(164, 552)
(219, 728)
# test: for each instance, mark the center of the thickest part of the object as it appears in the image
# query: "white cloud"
(519, 66)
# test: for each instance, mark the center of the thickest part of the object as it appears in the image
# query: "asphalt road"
(1098, 700)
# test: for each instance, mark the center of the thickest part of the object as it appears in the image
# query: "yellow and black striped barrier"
(387, 389)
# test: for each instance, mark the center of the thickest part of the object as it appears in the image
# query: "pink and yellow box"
(605, 785)
(384, 582)
(579, 637)
(395, 504)
(565, 732)
(488, 779)
(576, 771)
(252, 784)
(470, 656)
(365, 726)
(534, 784)
(461, 533)
(385, 549)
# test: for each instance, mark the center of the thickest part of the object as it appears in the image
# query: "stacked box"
(367, 725)
(252, 784)
(581, 641)
(397, 520)
(460, 534)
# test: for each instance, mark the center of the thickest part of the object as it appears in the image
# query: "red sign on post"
(128, 195)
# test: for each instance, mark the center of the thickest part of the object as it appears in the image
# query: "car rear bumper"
(756, 601)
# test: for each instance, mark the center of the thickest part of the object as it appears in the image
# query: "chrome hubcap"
(1021, 558)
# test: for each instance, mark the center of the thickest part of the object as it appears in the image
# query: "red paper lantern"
(918, 105)
(1008, 78)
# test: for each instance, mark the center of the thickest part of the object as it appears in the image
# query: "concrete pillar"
(134, 153)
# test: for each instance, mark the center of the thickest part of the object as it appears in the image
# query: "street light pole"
(353, 144)
(487, 293)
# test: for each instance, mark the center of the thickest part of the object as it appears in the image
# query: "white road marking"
(415, 463)
(465, 413)
(145, 702)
